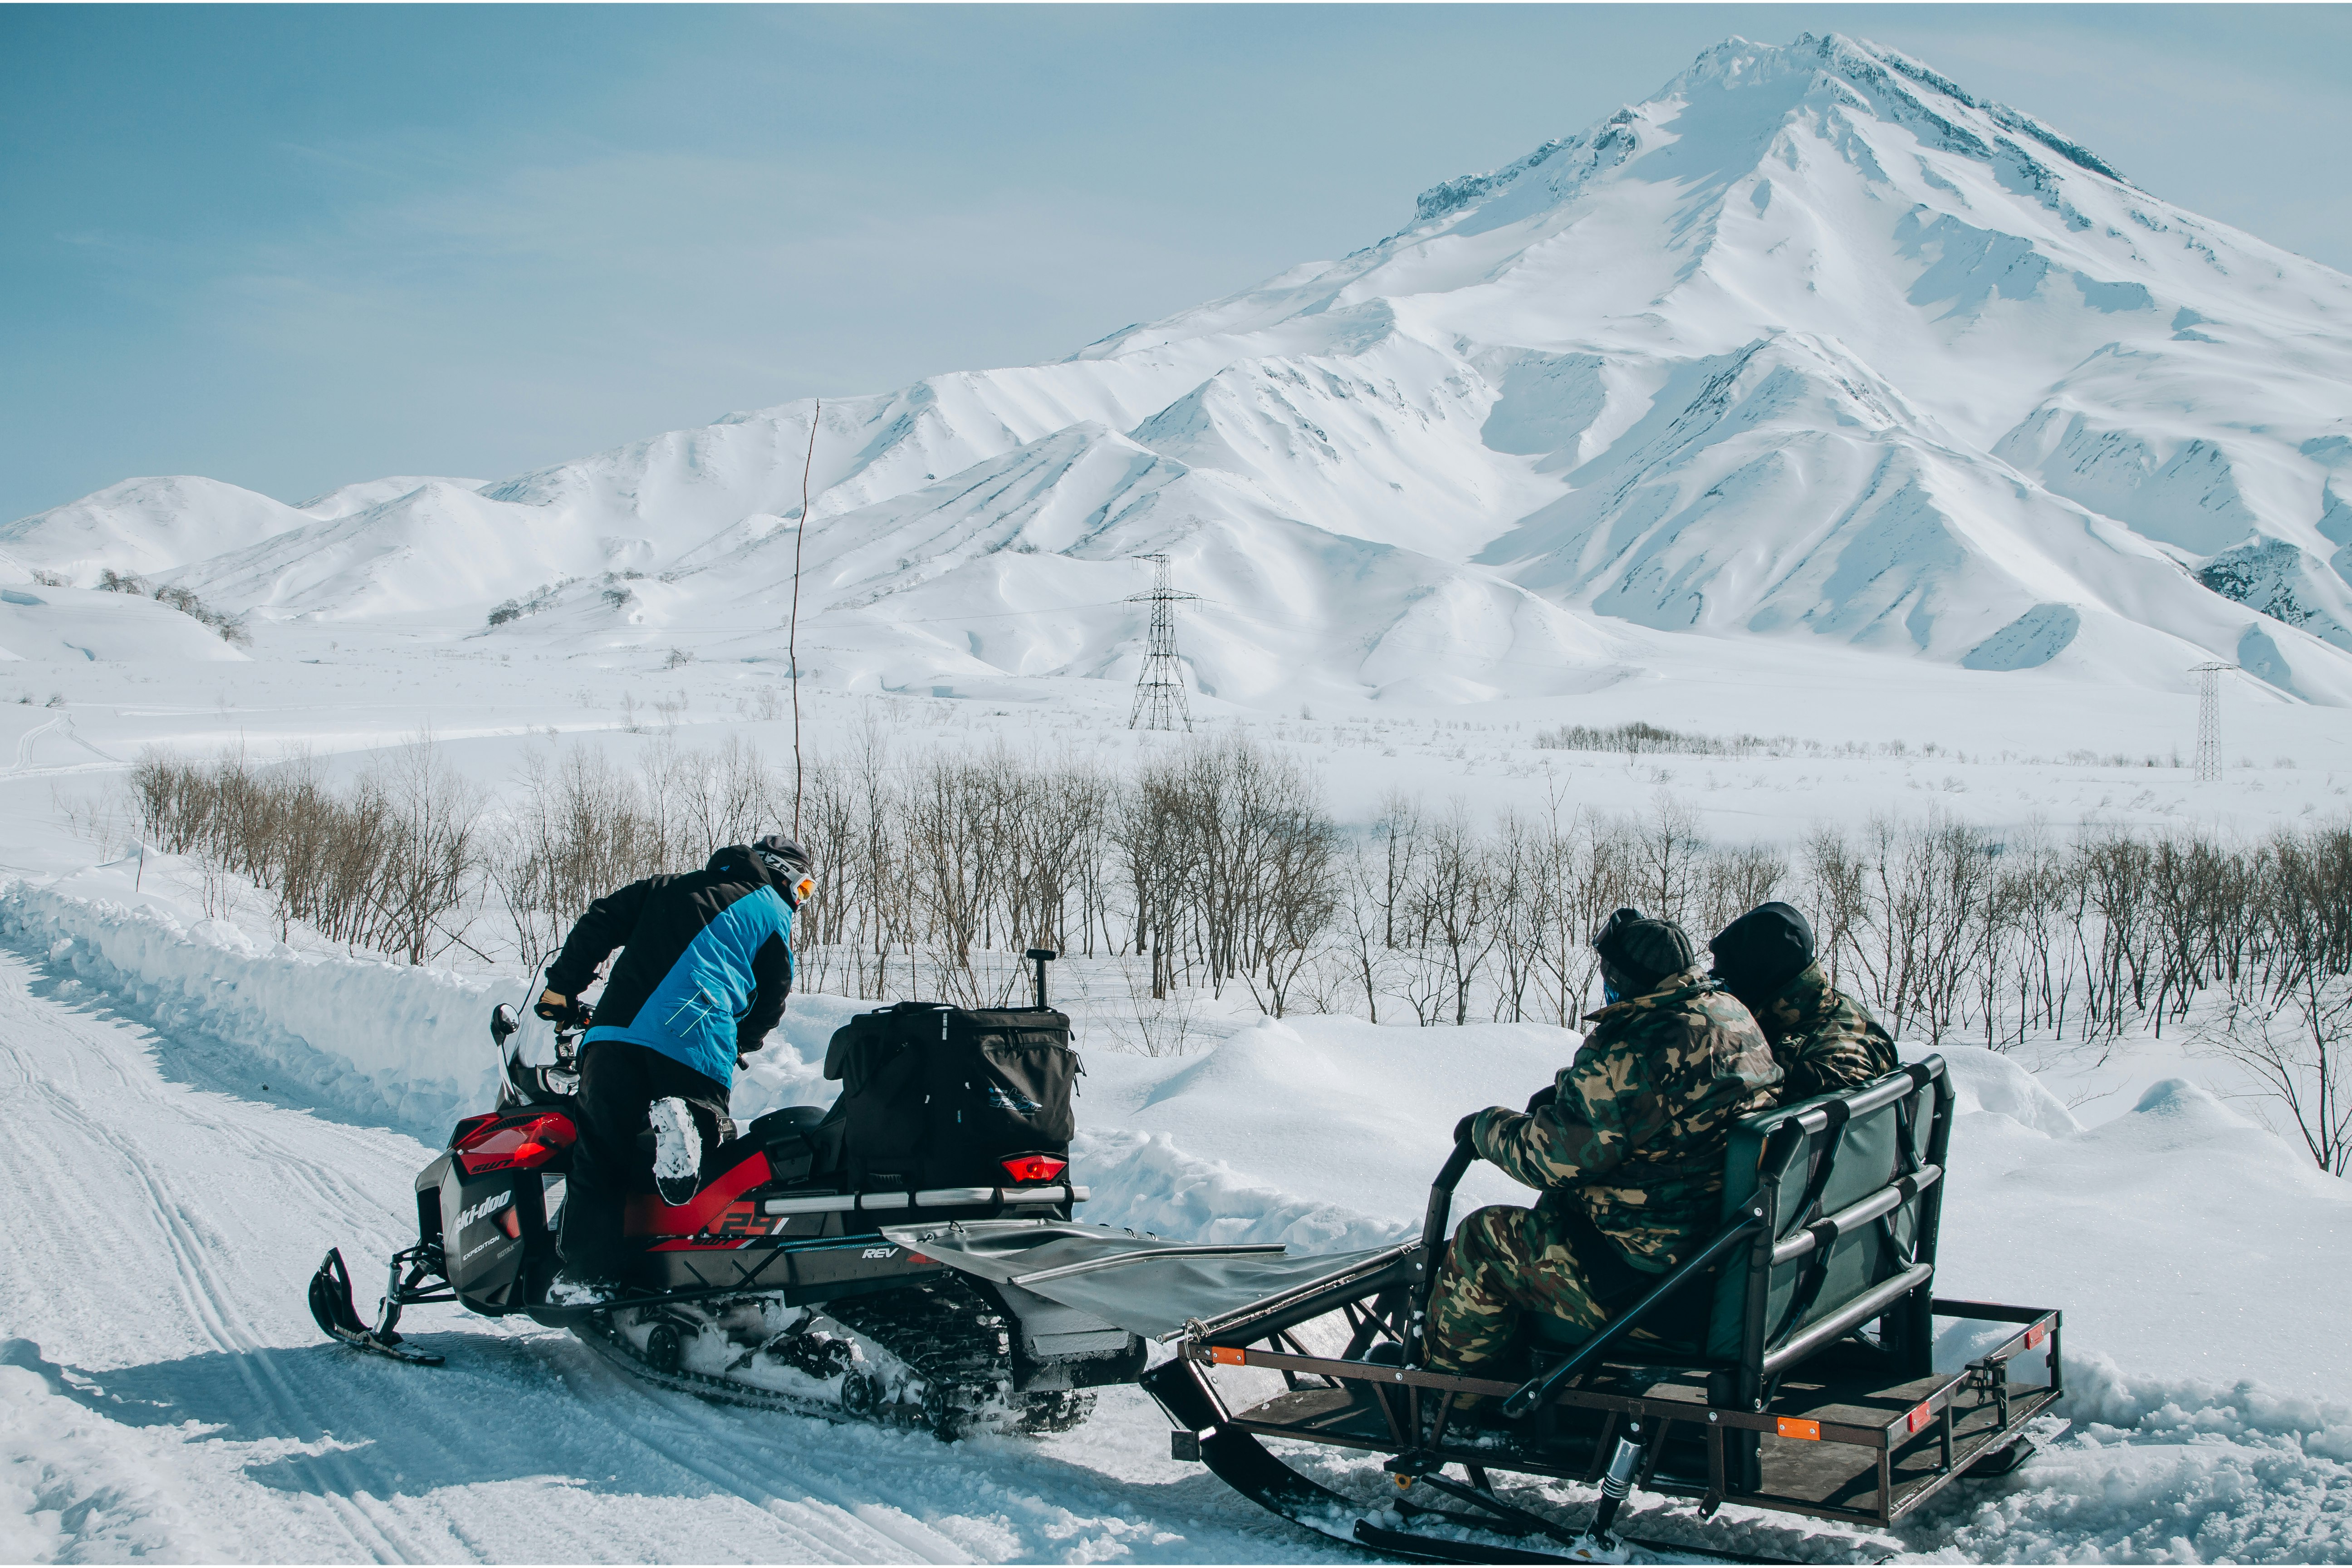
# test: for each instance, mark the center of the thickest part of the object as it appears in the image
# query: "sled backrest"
(1861, 1172)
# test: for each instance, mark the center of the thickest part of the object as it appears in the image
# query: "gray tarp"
(1144, 1284)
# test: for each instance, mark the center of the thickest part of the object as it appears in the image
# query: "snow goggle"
(802, 891)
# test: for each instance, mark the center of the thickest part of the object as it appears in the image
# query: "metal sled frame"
(1842, 1442)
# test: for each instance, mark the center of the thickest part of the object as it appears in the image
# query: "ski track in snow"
(164, 1294)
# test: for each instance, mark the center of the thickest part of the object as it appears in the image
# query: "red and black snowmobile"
(774, 1285)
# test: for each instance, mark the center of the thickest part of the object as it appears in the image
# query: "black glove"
(1462, 1128)
(563, 1012)
(1542, 1098)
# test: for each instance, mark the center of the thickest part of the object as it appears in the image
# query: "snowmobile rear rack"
(1786, 1364)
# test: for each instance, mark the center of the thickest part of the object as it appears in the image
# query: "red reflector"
(1918, 1419)
(507, 1223)
(1225, 1355)
(1027, 1168)
(1810, 1431)
(2036, 1334)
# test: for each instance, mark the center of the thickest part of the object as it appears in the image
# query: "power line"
(1159, 701)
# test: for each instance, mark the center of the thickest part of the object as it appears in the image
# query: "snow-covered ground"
(1810, 399)
(220, 1107)
(177, 1164)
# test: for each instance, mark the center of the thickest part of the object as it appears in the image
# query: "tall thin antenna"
(1159, 701)
(792, 634)
(2209, 720)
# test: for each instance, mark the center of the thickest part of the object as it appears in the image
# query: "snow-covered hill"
(1812, 345)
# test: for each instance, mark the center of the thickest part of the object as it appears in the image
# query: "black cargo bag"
(935, 1097)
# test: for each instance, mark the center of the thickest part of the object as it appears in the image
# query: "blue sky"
(293, 246)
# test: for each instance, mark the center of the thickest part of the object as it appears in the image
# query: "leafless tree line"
(383, 863)
(1216, 864)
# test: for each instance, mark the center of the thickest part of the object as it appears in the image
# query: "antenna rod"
(792, 634)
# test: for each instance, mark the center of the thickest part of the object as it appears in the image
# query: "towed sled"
(1790, 1364)
(775, 1284)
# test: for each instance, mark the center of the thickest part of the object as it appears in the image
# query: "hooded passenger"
(1825, 1041)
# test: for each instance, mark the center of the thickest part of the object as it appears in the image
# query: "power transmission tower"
(1159, 703)
(2209, 720)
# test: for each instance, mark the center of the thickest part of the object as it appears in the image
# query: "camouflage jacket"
(1825, 1041)
(1637, 1128)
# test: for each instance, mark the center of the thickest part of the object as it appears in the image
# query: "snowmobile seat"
(1849, 1185)
(783, 1136)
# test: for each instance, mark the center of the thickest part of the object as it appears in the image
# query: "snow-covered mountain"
(1813, 345)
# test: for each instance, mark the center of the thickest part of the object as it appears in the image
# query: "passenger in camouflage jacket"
(1825, 1041)
(1627, 1146)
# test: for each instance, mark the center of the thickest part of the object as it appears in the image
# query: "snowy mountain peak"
(1755, 90)
(1812, 345)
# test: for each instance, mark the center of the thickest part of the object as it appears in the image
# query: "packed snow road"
(169, 1395)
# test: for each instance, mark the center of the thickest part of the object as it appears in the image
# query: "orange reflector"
(1811, 1431)
(2036, 1334)
(1920, 1417)
(1225, 1355)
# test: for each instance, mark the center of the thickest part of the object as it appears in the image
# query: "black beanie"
(1762, 951)
(1644, 951)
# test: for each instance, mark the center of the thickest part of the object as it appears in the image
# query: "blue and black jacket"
(705, 966)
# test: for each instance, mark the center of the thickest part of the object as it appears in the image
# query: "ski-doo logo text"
(484, 1209)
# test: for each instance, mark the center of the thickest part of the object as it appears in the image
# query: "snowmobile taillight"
(469, 1126)
(517, 1146)
(1026, 1169)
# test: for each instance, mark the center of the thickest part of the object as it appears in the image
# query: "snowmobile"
(775, 1284)
(1789, 1364)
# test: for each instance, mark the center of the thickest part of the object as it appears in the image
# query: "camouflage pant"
(1504, 1261)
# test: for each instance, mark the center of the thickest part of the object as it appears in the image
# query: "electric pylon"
(2209, 720)
(1159, 703)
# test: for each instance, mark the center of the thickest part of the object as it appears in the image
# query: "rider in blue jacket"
(705, 967)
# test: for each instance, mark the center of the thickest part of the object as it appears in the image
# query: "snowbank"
(1142, 1180)
(383, 1042)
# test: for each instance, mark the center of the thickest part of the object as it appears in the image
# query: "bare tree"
(2297, 1041)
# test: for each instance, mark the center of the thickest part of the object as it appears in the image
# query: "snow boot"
(678, 1151)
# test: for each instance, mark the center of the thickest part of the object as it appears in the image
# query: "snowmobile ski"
(331, 1309)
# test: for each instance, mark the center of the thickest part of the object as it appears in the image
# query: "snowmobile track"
(954, 1343)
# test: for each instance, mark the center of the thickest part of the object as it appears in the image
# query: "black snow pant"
(618, 1079)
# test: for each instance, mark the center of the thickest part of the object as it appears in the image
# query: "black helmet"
(1637, 951)
(1762, 951)
(784, 862)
